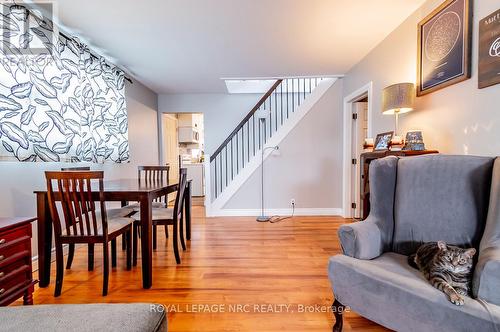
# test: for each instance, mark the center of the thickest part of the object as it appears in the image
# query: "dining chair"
(111, 213)
(78, 220)
(167, 217)
(152, 174)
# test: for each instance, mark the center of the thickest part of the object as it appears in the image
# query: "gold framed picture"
(444, 46)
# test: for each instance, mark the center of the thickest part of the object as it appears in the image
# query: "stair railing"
(250, 135)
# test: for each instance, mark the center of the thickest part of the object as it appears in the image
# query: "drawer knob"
(2, 274)
(2, 291)
(2, 241)
(1, 257)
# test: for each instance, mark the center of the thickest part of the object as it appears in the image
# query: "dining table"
(123, 190)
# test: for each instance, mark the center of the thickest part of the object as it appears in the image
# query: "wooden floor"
(229, 262)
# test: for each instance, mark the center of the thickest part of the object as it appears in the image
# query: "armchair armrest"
(487, 276)
(487, 272)
(370, 238)
(361, 239)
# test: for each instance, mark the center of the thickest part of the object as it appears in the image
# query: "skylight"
(248, 86)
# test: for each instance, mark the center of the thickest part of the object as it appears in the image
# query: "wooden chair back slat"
(179, 199)
(77, 202)
(102, 206)
(83, 204)
(154, 174)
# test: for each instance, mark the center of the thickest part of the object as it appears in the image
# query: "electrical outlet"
(292, 202)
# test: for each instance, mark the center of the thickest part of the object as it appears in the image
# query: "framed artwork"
(383, 141)
(444, 46)
(489, 50)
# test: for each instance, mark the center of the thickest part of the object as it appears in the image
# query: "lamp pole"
(263, 217)
(396, 116)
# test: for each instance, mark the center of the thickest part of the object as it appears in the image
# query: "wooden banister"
(245, 119)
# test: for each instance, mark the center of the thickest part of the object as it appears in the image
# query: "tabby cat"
(448, 268)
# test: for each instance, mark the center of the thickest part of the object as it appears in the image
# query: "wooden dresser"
(365, 160)
(16, 277)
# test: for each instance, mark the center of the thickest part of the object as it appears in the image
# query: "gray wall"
(460, 119)
(308, 165)
(222, 112)
(18, 180)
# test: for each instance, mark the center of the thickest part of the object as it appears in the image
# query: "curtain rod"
(97, 57)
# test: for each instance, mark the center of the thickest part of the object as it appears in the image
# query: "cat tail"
(411, 261)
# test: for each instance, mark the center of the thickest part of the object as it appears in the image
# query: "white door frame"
(366, 90)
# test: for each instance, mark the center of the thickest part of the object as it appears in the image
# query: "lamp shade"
(398, 98)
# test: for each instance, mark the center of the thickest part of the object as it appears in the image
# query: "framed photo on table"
(383, 141)
(444, 46)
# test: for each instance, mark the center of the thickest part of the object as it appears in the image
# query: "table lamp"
(397, 99)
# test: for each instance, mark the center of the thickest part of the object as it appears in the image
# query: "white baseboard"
(276, 212)
(34, 259)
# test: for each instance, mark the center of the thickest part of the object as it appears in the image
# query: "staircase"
(269, 121)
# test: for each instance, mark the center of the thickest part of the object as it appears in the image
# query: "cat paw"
(457, 299)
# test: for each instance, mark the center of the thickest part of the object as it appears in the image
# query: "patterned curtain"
(60, 103)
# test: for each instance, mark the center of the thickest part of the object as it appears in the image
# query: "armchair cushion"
(487, 271)
(390, 292)
(441, 197)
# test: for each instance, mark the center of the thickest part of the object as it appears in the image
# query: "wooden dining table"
(123, 191)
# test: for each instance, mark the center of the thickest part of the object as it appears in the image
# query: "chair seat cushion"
(157, 214)
(136, 206)
(119, 212)
(115, 223)
(84, 317)
(390, 292)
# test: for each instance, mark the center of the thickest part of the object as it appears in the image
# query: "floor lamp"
(262, 117)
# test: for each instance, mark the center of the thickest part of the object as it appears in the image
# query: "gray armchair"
(415, 200)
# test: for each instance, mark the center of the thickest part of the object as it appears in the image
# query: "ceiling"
(186, 46)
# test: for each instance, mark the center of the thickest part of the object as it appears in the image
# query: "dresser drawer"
(16, 279)
(11, 288)
(15, 274)
(19, 249)
(8, 236)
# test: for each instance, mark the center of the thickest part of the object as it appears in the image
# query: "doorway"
(183, 146)
(171, 145)
(359, 132)
(357, 127)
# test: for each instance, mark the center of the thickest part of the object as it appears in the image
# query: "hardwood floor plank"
(234, 265)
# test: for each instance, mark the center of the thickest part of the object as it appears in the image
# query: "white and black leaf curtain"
(60, 104)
